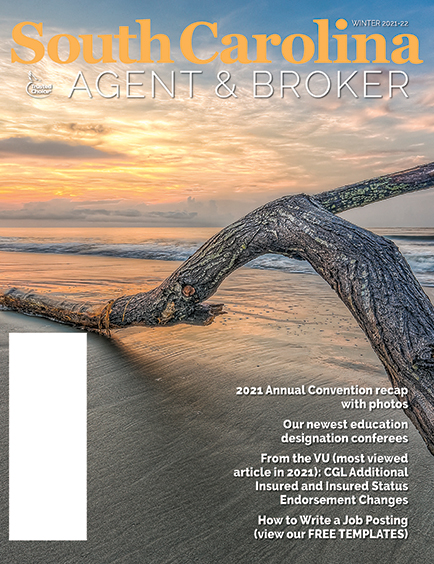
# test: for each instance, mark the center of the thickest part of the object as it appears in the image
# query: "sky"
(205, 160)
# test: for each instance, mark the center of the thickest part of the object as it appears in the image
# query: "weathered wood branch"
(367, 271)
(376, 189)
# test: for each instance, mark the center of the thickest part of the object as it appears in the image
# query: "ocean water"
(177, 244)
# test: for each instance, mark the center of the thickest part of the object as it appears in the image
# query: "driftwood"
(367, 272)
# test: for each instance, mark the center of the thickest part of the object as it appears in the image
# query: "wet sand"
(166, 429)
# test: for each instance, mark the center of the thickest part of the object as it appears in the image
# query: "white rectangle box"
(47, 436)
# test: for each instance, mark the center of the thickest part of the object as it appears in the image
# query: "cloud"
(27, 146)
(64, 211)
(82, 129)
(174, 215)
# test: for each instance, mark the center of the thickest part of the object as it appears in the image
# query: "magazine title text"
(200, 44)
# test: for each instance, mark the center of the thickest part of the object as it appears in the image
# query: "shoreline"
(166, 428)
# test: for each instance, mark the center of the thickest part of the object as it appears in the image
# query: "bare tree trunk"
(367, 272)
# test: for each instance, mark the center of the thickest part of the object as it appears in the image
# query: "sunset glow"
(220, 155)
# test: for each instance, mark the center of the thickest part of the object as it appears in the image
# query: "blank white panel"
(47, 436)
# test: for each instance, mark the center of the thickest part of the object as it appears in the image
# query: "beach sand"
(166, 429)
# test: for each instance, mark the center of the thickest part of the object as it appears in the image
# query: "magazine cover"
(217, 267)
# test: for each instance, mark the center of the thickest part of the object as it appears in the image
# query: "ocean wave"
(419, 253)
(146, 251)
(417, 250)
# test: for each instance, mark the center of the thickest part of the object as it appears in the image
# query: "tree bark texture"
(367, 272)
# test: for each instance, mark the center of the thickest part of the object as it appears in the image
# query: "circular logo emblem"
(36, 89)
